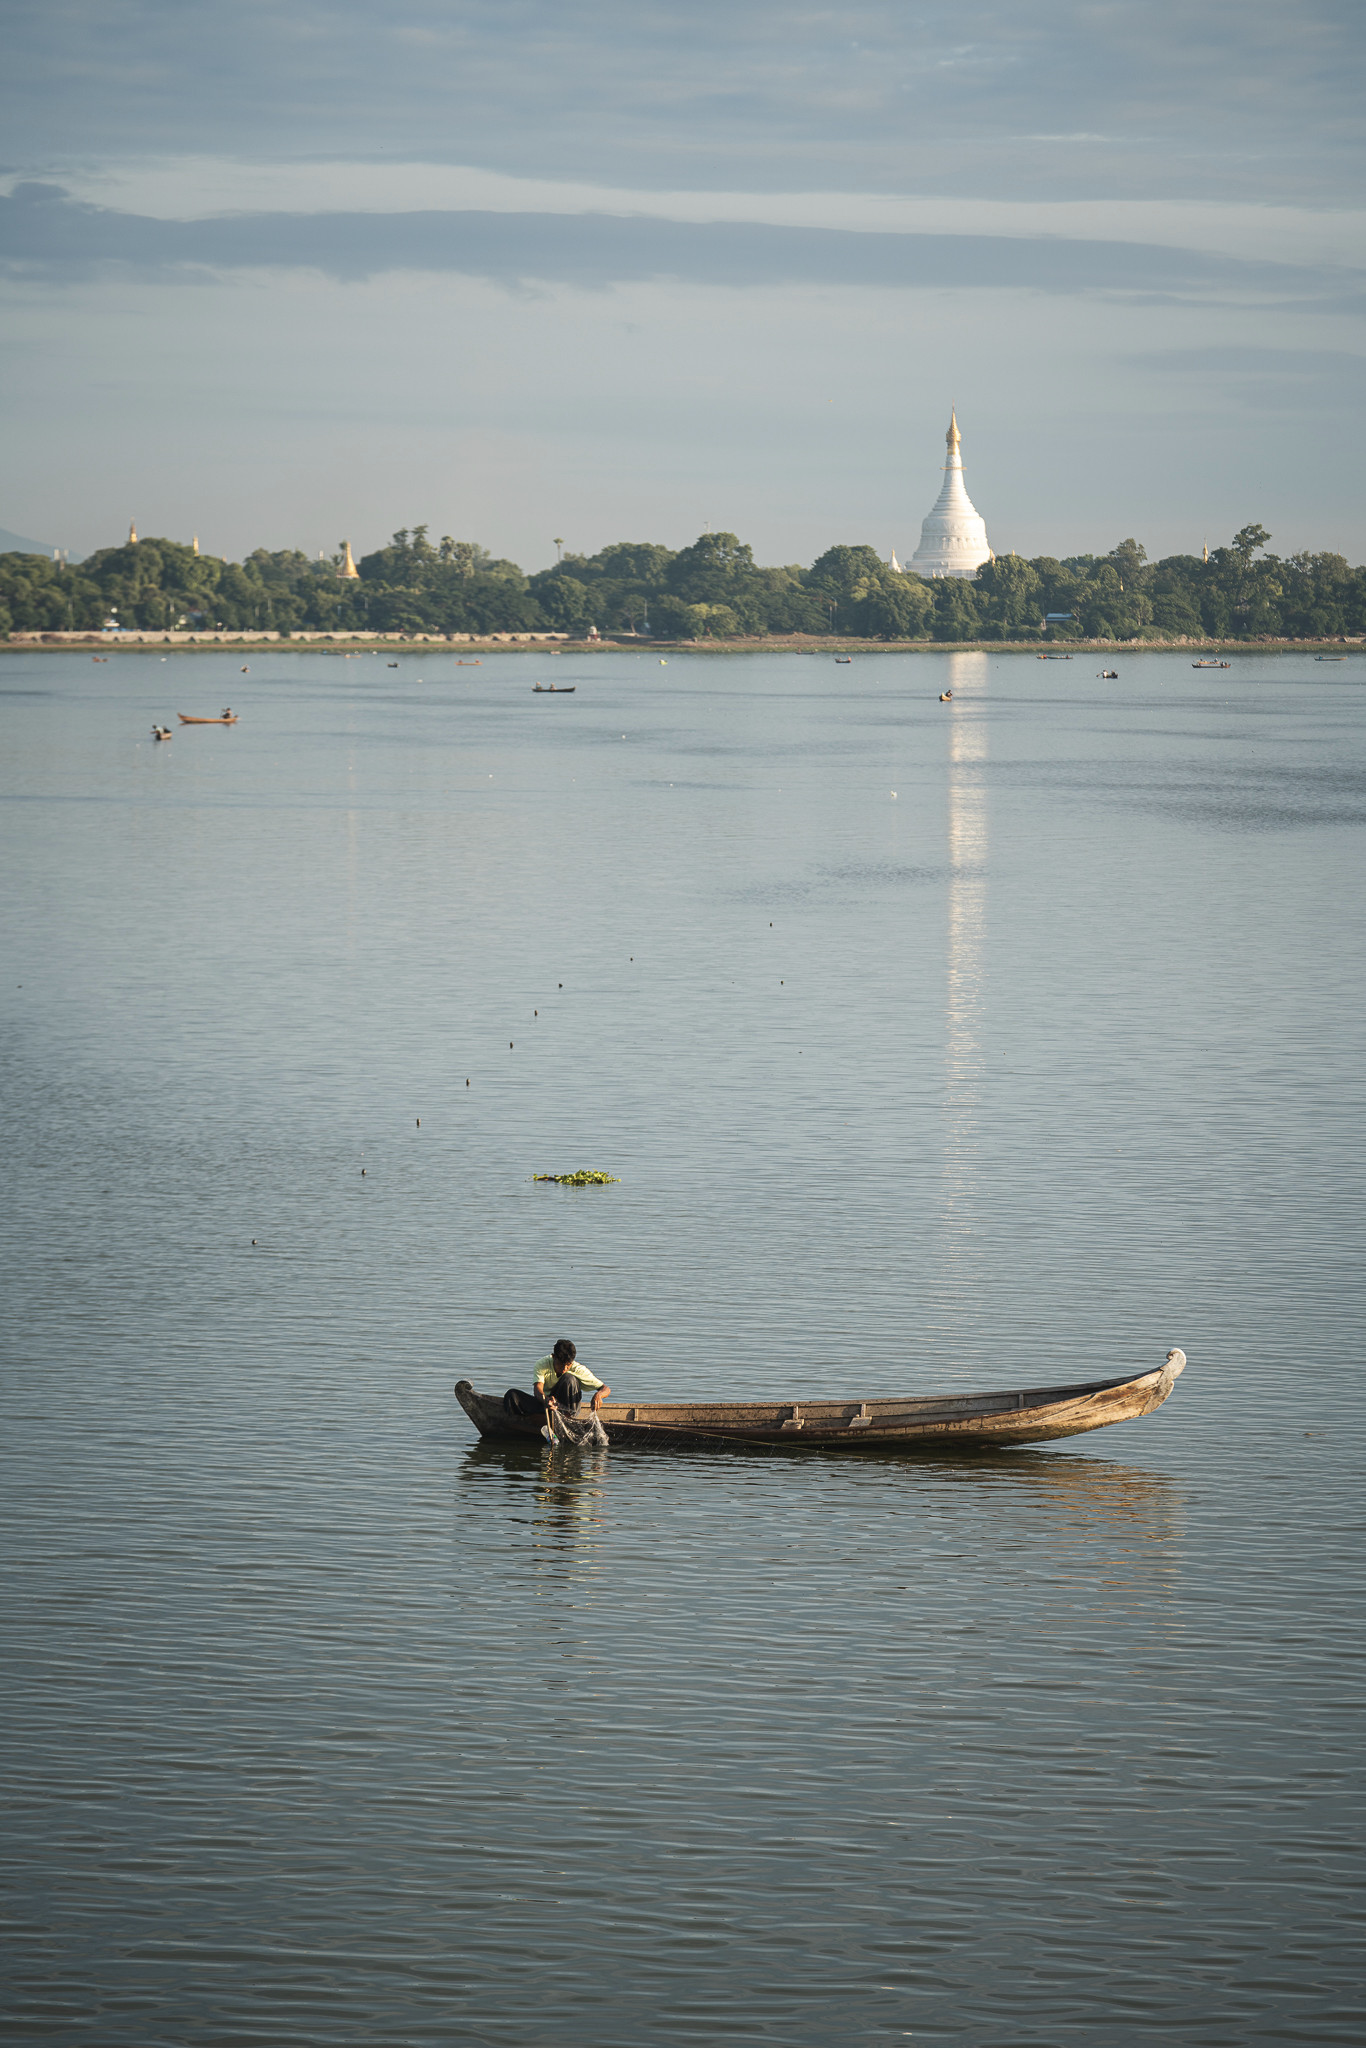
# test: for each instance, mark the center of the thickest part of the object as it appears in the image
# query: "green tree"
(672, 619)
(1178, 615)
(841, 570)
(894, 607)
(1008, 594)
(1248, 540)
(643, 564)
(956, 612)
(38, 595)
(714, 622)
(712, 571)
(1127, 561)
(465, 556)
(566, 604)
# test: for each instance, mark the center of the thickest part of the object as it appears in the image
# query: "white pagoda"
(953, 540)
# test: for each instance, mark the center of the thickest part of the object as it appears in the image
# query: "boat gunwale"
(1018, 1416)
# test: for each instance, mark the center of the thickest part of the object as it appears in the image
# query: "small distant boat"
(554, 689)
(1330, 657)
(161, 732)
(1109, 675)
(946, 696)
(224, 718)
(1032, 1415)
(1055, 657)
(843, 660)
(1211, 664)
(462, 663)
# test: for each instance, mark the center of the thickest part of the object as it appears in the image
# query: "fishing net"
(581, 1432)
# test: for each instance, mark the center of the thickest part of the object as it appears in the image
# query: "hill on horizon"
(15, 544)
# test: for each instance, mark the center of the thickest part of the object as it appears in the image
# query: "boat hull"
(953, 1421)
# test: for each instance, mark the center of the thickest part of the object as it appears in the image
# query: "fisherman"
(560, 1382)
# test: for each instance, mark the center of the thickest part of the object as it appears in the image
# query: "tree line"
(712, 590)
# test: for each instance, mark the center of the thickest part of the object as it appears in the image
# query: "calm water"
(936, 1046)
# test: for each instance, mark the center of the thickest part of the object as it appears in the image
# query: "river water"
(936, 1046)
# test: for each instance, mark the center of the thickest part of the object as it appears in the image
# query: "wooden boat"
(1031, 1415)
(843, 660)
(186, 719)
(554, 689)
(1055, 657)
(1109, 675)
(1211, 664)
(1330, 657)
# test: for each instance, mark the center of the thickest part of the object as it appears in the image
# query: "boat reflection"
(569, 1492)
(1093, 1529)
(1090, 1526)
(1073, 1483)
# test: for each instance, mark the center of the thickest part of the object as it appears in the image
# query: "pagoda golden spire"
(348, 570)
(953, 438)
(132, 533)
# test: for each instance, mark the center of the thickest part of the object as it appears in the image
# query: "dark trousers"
(531, 1408)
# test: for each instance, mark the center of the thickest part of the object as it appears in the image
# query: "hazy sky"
(610, 271)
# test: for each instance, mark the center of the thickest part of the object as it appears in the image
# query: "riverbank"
(467, 645)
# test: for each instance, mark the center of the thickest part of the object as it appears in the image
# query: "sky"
(617, 269)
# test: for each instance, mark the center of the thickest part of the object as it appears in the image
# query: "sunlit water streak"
(331, 1724)
(968, 852)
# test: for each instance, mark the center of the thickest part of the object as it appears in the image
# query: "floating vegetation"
(582, 1179)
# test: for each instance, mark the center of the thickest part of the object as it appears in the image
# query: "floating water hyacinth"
(582, 1179)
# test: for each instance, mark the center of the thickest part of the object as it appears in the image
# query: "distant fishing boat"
(226, 718)
(843, 660)
(1055, 657)
(1211, 664)
(1330, 657)
(1109, 675)
(1032, 1415)
(554, 689)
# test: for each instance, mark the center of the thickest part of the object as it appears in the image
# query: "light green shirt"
(547, 1374)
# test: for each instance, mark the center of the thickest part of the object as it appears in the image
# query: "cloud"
(46, 234)
(1058, 97)
(186, 188)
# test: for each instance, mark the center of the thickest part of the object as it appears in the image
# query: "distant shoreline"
(506, 643)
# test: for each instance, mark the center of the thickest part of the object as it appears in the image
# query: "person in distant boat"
(560, 1381)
